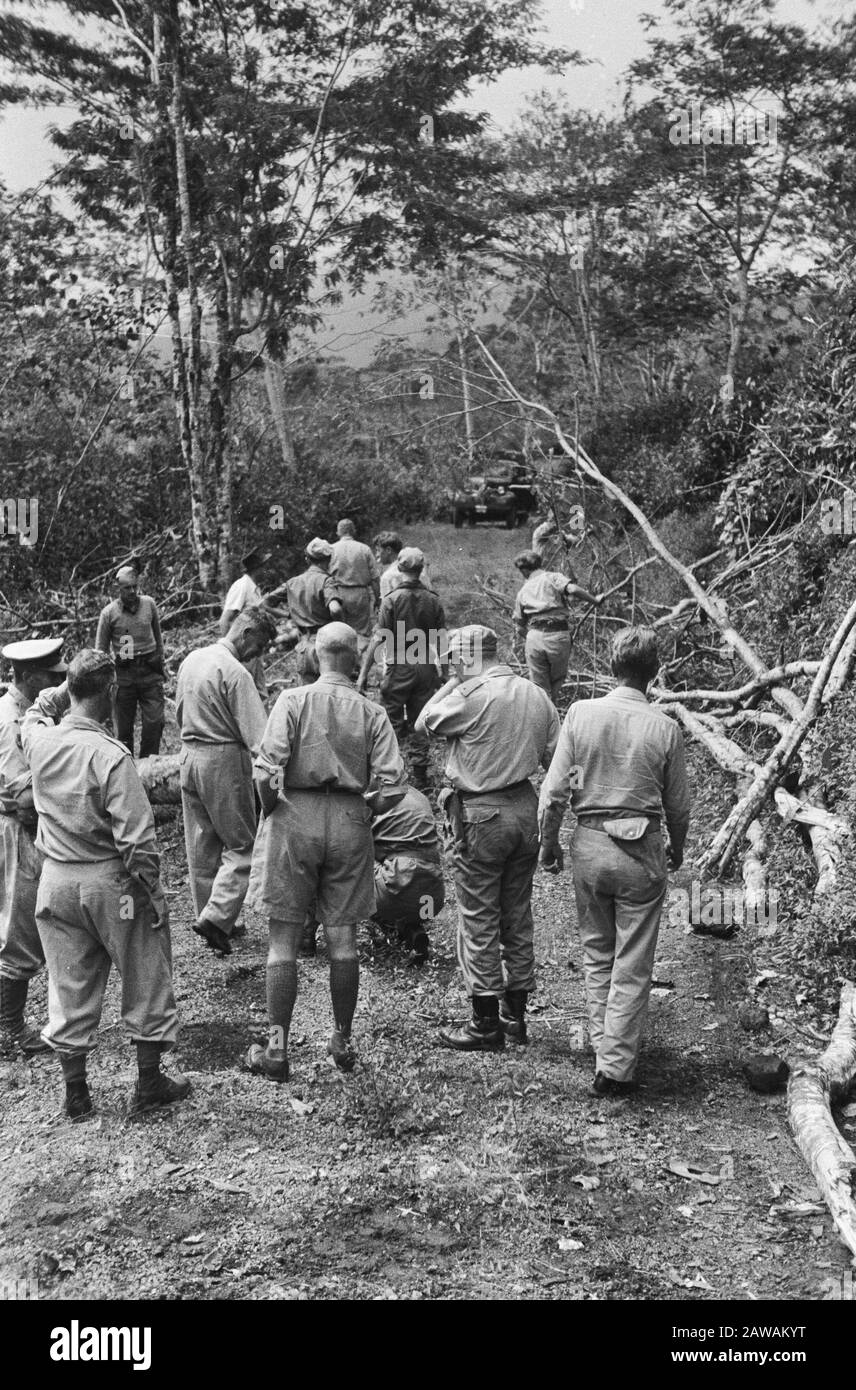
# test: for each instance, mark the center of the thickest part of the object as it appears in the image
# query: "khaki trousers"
(404, 693)
(493, 882)
(21, 954)
(620, 888)
(357, 603)
(547, 656)
(219, 828)
(92, 916)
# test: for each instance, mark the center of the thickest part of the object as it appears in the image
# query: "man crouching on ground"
(100, 896)
(322, 746)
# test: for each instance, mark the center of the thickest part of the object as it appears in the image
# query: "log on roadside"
(813, 1088)
(159, 776)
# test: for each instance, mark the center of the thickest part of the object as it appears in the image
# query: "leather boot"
(15, 1034)
(512, 1016)
(482, 1034)
(154, 1088)
(78, 1102)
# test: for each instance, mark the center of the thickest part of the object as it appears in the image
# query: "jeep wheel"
(511, 521)
(457, 519)
(471, 519)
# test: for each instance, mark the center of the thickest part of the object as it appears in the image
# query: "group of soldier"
(310, 815)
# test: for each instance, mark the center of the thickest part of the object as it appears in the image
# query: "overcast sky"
(607, 32)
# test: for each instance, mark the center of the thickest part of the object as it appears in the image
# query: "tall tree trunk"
(207, 545)
(737, 312)
(276, 400)
(219, 459)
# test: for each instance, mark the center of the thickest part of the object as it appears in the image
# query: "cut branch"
(813, 1088)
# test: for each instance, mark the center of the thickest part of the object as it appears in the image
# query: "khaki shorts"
(314, 846)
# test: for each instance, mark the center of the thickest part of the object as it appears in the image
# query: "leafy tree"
(755, 193)
(269, 153)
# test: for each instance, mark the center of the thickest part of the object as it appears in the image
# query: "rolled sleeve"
(277, 742)
(447, 719)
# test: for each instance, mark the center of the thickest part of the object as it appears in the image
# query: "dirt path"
(425, 1174)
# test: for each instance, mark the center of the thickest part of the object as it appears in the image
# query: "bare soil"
(424, 1174)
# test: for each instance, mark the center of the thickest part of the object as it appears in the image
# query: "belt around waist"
(343, 584)
(132, 660)
(495, 791)
(549, 624)
(595, 822)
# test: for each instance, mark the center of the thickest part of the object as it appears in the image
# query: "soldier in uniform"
(499, 729)
(355, 571)
(323, 745)
(131, 627)
(621, 763)
(312, 599)
(409, 887)
(221, 718)
(411, 623)
(100, 898)
(245, 593)
(541, 615)
(35, 666)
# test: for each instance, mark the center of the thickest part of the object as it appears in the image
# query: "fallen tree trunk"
(159, 776)
(813, 1088)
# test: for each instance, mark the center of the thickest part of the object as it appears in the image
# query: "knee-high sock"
(281, 994)
(344, 986)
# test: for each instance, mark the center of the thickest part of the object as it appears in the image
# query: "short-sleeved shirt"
(408, 827)
(500, 729)
(410, 609)
(392, 576)
(244, 593)
(129, 634)
(88, 793)
(15, 776)
(543, 595)
(329, 735)
(620, 754)
(216, 699)
(353, 564)
(308, 597)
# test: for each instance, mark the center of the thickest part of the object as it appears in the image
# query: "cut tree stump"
(814, 1087)
(159, 776)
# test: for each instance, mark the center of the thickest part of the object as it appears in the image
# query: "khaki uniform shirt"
(308, 597)
(543, 595)
(129, 634)
(15, 777)
(500, 728)
(407, 610)
(88, 793)
(408, 827)
(244, 593)
(216, 700)
(353, 564)
(620, 755)
(327, 734)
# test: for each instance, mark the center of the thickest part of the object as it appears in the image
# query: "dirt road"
(424, 1174)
